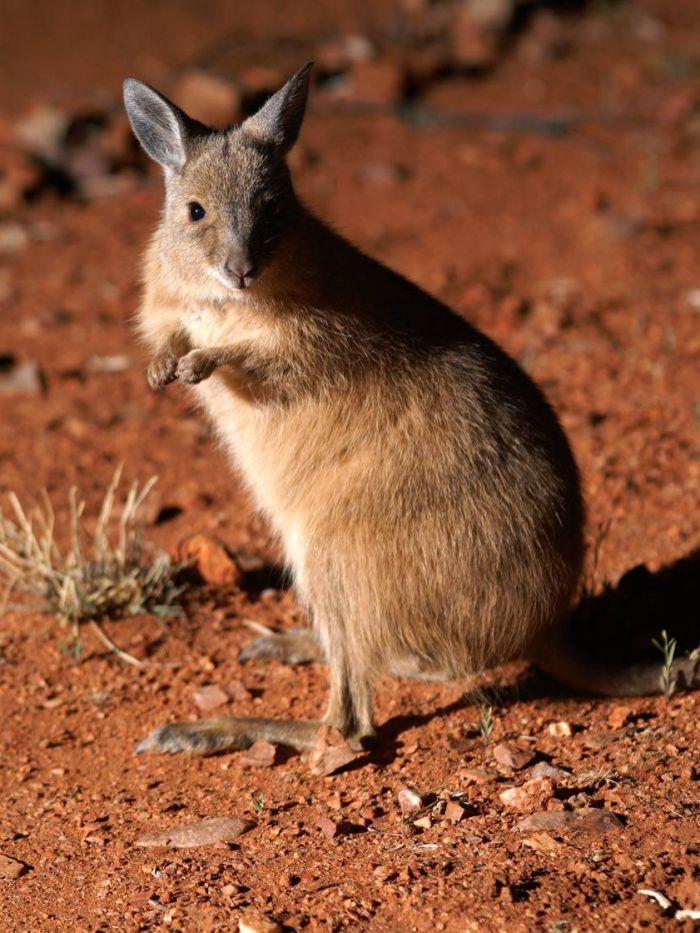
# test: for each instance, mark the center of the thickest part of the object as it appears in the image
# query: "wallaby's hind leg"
(349, 711)
(295, 646)
(208, 736)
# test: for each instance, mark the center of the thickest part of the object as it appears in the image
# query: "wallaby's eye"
(196, 210)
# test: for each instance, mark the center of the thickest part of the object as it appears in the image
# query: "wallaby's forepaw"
(296, 646)
(195, 366)
(161, 371)
(205, 737)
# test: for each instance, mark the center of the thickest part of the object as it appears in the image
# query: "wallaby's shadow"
(617, 625)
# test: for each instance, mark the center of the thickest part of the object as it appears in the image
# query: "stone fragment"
(20, 377)
(513, 756)
(330, 753)
(208, 98)
(560, 729)
(545, 769)
(238, 691)
(542, 842)
(206, 833)
(454, 811)
(261, 754)
(618, 716)
(12, 868)
(531, 794)
(423, 822)
(210, 697)
(410, 800)
(583, 820)
(252, 921)
(210, 558)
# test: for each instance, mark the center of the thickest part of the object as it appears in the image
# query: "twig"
(125, 656)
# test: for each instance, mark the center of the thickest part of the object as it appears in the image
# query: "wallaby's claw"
(296, 646)
(195, 366)
(161, 371)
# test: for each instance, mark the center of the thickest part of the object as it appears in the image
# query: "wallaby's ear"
(279, 120)
(162, 128)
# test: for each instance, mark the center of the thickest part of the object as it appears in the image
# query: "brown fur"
(423, 492)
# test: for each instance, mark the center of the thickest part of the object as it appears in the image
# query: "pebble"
(410, 800)
(512, 756)
(531, 794)
(545, 769)
(210, 558)
(21, 377)
(206, 833)
(13, 238)
(261, 754)
(254, 922)
(330, 753)
(542, 842)
(454, 811)
(12, 868)
(560, 729)
(210, 697)
(583, 820)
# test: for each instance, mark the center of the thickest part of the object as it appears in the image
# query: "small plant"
(108, 573)
(259, 802)
(667, 647)
(486, 723)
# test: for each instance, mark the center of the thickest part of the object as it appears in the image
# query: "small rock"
(542, 842)
(206, 833)
(261, 754)
(560, 729)
(13, 238)
(584, 820)
(534, 793)
(330, 828)
(238, 691)
(12, 868)
(410, 800)
(254, 922)
(478, 775)
(545, 769)
(423, 822)
(618, 716)
(208, 98)
(20, 377)
(210, 697)
(454, 811)
(330, 753)
(210, 558)
(512, 756)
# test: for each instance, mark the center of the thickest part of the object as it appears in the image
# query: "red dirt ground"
(578, 251)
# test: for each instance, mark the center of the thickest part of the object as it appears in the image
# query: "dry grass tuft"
(109, 572)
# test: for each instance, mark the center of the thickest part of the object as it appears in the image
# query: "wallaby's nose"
(240, 267)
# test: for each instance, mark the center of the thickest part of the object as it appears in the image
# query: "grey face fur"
(229, 199)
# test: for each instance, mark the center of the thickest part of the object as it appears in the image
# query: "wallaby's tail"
(573, 667)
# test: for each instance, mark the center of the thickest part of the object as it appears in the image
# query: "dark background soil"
(548, 187)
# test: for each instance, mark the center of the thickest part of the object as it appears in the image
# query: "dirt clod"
(210, 558)
(261, 754)
(210, 697)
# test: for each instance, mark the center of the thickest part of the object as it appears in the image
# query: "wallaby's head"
(229, 200)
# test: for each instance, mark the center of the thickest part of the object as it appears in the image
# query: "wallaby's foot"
(162, 369)
(686, 672)
(196, 366)
(208, 736)
(296, 646)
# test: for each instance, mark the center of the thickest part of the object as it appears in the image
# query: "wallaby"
(425, 496)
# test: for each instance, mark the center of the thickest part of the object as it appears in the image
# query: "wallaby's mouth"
(234, 282)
